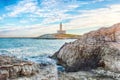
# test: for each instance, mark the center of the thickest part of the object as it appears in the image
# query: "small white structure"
(61, 31)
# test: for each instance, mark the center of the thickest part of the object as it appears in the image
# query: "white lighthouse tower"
(61, 31)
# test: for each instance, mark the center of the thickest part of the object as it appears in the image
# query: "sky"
(31, 18)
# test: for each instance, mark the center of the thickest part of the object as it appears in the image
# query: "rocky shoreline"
(96, 49)
(98, 74)
(95, 56)
(12, 68)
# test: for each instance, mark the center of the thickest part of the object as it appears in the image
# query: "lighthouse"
(61, 31)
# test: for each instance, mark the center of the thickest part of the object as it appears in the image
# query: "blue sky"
(26, 18)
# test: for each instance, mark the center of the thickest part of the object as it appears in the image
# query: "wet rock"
(100, 48)
(89, 75)
(12, 68)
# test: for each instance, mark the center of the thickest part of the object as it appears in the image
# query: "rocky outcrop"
(89, 75)
(16, 69)
(100, 48)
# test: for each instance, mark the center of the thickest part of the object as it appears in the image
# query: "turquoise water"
(31, 49)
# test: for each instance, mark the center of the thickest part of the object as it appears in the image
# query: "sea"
(36, 50)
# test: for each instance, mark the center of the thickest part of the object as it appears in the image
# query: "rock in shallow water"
(95, 49)
(15, 69)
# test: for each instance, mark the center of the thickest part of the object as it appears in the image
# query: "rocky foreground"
(96, 49)
(98, 74)
(12, 68)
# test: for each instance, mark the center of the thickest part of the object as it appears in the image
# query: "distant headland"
(61, 34)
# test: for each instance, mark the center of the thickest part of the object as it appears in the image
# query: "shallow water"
(35, 50)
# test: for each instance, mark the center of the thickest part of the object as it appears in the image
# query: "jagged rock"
(16, 69)
(100, 48)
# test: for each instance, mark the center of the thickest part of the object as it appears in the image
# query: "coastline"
(36, 38)
(95, 56)
(23, 70)
(17, 69)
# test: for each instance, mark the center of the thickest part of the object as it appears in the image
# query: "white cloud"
(86, 19)
(25, 6)
(1, 18)
(24, 21)
(49, 9)
(98, 1)
(102, 17)
(99, 17)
